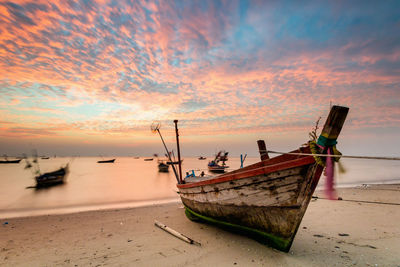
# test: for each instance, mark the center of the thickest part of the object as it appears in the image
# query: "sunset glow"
(89, 77)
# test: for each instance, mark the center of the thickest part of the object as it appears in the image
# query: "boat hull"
(217, 169)
(52, 178)
(106, 161)
(9, 161)
(266, 200)
(163, 168)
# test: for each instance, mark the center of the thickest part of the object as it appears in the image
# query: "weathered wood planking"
(274, 189)
(266, 200)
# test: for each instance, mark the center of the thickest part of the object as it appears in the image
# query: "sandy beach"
(362, 229)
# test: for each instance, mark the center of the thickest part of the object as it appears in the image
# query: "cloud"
(111, 67)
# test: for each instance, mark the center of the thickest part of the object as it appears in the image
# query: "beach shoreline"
(362, 229)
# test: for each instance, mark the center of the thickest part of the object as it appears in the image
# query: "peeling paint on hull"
(266, 206)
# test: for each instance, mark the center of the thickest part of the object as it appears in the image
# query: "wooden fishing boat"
(106, 161)
(149, 159)
(266, 200)
(173, 162)
(217, 165)
(52, 178)
(201, 158)
(9, 161)
(214, 167)
(162, 167)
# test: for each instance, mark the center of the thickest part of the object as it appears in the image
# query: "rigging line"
(361, 201)
(334, 156)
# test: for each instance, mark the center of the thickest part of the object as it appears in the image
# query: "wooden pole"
(176, 233)
(333, 126)
(262, 149)
(169, 156)
(179, 151)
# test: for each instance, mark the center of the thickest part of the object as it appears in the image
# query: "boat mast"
(179, 151)
(263, 150)
(157, 129)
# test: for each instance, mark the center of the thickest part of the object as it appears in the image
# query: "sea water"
(131, 182)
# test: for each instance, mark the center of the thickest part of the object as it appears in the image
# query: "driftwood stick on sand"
(175, 233)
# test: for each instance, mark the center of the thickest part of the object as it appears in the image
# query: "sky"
(89, 77)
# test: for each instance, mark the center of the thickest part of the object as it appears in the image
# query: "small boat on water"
(149, 159)
(6, 161)
(218, 164)
(202, 158)
(162, 167)
(52, 178)
(266, 200)
(171, 156)
(106, 161)
(174, 162)
(45, 157)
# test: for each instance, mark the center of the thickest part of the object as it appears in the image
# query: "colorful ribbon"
(329, 164)
(329, 173)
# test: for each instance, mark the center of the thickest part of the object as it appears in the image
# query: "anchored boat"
(162, 167)
(217, 165)
(266, 200)
(106, 161)
(6, 161)
(52, 178)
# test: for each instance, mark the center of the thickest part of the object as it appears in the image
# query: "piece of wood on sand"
(175, 233)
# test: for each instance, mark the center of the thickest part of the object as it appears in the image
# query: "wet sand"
(343, 233)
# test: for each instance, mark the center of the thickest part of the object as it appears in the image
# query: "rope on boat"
(361, 201)
(333, 156)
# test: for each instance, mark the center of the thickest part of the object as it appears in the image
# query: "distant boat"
(135, 157)
(214, 167)
(162, 167)
(268, 199)
(44, 157)
(52, 178)
(174, 162)
(106, 161)
(171, 155)
(218, 164)
(9, 161)
(202, 158)
(150, 159)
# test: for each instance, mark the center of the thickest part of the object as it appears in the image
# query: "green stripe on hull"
(263, 237)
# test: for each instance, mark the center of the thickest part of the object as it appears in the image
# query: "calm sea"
(131, 182)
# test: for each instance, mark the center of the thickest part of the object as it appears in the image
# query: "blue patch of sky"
(335, 22)
(241, 40)
(176, 62)
(33, 7)
(121, 75)
(217, 118)
(148, 14)
(163, 88)
(87, 111)
(114, 3)
(118, 18)
(32, 97)
(19, 14)
(315, 26)
(83, 112)
(193, 105)
(62, 32)
(126, 86)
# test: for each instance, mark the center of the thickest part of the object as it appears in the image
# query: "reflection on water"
(130, 182)
(39, 189)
